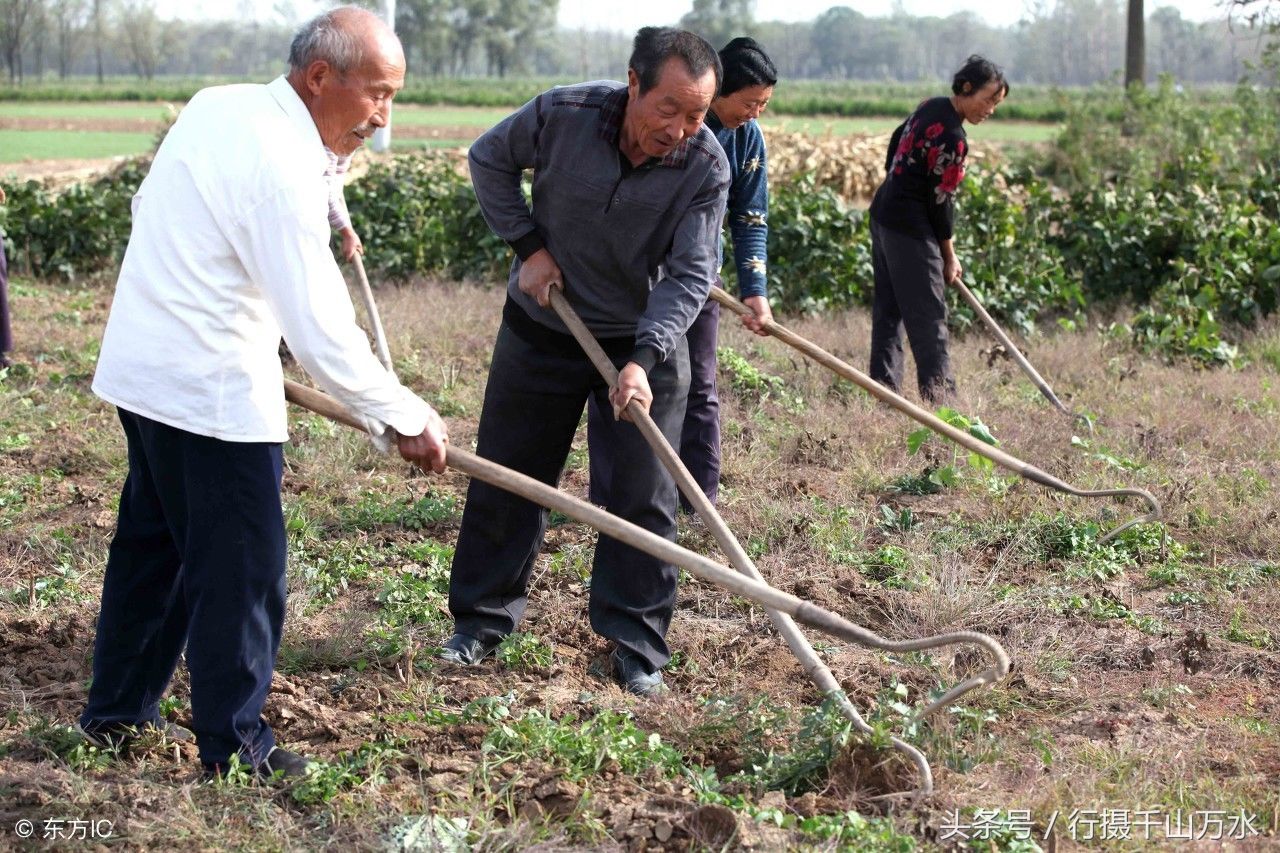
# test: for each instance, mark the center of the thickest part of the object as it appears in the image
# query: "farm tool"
(782, 606)
(965, 440)
(371, 308)
(795, 640)
(783, 609)
(1018, 357)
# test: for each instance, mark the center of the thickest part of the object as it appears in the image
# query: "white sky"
(631, 15)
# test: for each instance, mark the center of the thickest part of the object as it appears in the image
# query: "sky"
(631, 15)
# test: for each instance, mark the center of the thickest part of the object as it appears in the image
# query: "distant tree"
(838, 38)
(99, 34)
(425, 32)
(15, 18)
(69, 20)
(513, 32)
(146, 39)
(719, 21)
(1135, 46)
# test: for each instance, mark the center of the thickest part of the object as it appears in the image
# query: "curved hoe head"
(986, 677)
(1152, 516)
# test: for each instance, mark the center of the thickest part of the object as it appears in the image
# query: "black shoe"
(279, 764)
(120, 737)
(282, 764)
(634, 675)
(466, 650)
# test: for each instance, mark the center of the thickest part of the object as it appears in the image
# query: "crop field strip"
(51, 130)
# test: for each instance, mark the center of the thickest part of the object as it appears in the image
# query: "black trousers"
(910, 293)
(699, 446)
(6, 336)
(532, 405)
(198, 558)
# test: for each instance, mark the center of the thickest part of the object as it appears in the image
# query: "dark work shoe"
(279, 764)
(634, 675)
(283, 764)
(466, 650)
(121, 737)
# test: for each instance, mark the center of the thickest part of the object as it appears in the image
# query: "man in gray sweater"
(629, 190)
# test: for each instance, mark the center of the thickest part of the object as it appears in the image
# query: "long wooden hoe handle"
(371, 308)
(1017, 355)
(772, 599)
(911, 410)
(624, 531)
(738, 557)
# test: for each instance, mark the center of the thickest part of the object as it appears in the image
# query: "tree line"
(1061, 42)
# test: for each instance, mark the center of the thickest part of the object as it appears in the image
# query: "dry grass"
(1138, 683)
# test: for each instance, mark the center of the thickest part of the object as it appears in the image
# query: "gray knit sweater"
(636, 245)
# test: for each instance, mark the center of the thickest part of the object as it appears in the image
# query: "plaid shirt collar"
(612, 112)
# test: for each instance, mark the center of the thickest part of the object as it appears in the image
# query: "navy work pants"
(198, 558)
(532, 405)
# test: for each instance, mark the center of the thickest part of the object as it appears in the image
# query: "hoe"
(783, 609)
(911, 410)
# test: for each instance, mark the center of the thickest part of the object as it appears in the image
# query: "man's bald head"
(344, 38)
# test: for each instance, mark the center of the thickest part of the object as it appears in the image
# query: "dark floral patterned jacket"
(923, 169)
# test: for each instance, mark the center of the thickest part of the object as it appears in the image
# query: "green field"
(1009, 131)
(462, 123)
(83, 110)
(17, 146)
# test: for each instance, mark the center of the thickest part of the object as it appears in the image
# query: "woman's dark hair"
(655, 45)
(977, 72)
(746, 64)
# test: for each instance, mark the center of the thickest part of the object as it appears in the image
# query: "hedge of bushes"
(1188, 235)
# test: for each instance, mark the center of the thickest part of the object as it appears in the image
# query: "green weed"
(415, 598)
(524, 652)
(581, 748)
(1237, 633)
(751, 383)
(945, 476)
(376, 509)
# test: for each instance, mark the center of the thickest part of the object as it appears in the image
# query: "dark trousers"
(532, 405)
(6, 336)
(700, 434)
(910, 293)
(198, 559)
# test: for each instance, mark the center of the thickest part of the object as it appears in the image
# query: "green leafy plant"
(581, 748)
(752, 383)
(948, 475)
(519, 650)
(419, 597)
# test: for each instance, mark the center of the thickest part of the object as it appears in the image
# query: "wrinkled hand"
(538, 274)
(759, 306)
(426, 450)
(351, 243)
(633, 386)
(951, 269)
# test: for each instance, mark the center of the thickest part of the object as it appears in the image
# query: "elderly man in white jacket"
(230, 249)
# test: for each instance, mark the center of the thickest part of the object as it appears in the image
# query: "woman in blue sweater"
(749, 78)
(911, 229)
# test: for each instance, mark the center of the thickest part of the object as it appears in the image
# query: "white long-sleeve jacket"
(229, 250)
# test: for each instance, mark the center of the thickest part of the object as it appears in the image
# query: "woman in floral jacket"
(911, 224)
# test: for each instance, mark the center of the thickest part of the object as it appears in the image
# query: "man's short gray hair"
(324, 38)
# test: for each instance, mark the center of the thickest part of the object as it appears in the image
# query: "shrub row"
(1190, 236)
(851, 98)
